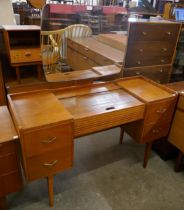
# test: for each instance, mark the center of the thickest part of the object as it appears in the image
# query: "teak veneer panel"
(7, 129)
(147, 91)
(37, 109)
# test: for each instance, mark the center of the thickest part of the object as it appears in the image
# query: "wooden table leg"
(147, 153)
(178, 162)
(3, 205)
(39, 71)
(50, 182)
(17, 70)
(122, 131)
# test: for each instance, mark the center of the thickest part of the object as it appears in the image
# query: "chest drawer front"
(158, 74)
(86, 51)
(151, 48)
(180, 104)
(48, 139)
(8, 163)
(103, 61)
(158, 112)
(139, 60)
(50, 163)
(155, 131)
(25, 55)
(153, 32)
(8, 147)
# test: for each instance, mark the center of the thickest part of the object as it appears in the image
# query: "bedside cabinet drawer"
(25, 55)
(50, 163)
(47, 139)
(160, 111)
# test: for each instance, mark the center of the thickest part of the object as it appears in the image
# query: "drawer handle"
(160, 111)
(51, 140)
(109, 108)
(156, 130)
(1, 145)
(85, 58)
(161, 70)
(162, 61)
(141, 50)
(164, 49)
(144, 33)
(168, 33)
(51, 164)
(86, 49)
(139, 62)
(137, 73)
(28, 54)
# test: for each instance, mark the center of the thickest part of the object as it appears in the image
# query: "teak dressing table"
(48, 120)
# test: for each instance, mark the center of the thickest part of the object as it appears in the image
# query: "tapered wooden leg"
(179, 161)
(50, 181)
(39, 71)
(17, 70)
(147, 153)
(121, 135)
(3, 205)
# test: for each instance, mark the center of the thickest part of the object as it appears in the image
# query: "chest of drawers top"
(7, 129)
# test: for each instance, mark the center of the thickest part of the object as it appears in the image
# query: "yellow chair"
(167, 10)
(51, 49)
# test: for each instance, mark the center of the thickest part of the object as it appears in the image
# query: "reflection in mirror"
(71, 43)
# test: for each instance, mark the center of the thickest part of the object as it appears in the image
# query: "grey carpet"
(108, 176)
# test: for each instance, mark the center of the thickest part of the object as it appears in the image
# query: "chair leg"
(3, 205)
(122, 131)
(178, 162)
(17, 70)
(147, 153)
(50, 182)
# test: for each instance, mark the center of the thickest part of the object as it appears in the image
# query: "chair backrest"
(167, 10)
(51, 49)
(75, 31)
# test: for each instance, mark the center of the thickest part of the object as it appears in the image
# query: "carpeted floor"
(108, 176)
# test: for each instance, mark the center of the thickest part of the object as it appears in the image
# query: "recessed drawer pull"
(85, 58)
(51, 140)
(168, 33)
(1, 145)
(161, 110)
(27, 54)
(86, 49)
(51, 164)
(164, 49)
(155, 130)
(109, 108)
(144, 33)
(140, 50)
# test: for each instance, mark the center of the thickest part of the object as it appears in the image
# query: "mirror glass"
(73, 46)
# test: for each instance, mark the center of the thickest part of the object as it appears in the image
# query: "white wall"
(6, 12)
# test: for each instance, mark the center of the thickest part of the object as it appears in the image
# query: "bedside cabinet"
(23, 47)
(10, 173)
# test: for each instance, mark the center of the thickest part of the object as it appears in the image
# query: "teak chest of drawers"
(23, 46)
(49, 120)
(10, 173)
(151, 49)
